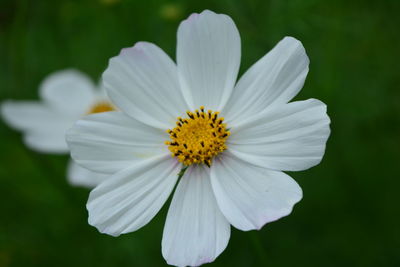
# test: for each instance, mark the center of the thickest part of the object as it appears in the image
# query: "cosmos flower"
(66, 96)
(224, 144)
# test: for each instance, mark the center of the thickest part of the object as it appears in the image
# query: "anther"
(190, 115)
(198, 138)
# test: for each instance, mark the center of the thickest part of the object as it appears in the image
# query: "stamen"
(198, 138)
(101, 106)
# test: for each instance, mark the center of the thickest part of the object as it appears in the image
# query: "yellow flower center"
(101, 106)
(198, 138)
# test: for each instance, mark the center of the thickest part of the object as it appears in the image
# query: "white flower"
(66, 96)
(255, 137)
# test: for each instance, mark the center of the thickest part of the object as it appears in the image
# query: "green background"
(350, 213)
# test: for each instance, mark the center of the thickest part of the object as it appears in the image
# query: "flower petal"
(142, 81)
(291, 137)
(251, 196)
(109, 142)
(52, 142)
(208, 58)
(130, 198)
(80, 176)
(274, 79)
(44, 128)
(195, 231)
(69, 91)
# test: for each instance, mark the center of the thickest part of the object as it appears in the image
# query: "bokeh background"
(350, 213)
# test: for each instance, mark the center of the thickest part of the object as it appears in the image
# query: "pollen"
(101, 106)
(198, 138)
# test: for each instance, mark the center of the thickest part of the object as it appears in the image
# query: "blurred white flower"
(232, 161)
(66, 96)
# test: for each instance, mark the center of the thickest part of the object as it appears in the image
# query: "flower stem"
(182, 172)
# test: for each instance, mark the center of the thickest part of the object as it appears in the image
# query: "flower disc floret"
(198, 138)
(101, 106)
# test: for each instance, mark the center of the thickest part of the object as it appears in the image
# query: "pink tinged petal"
(130, 198)
(79, 176)
(43, 127)
(251, 196)
(208, 56)
(195, 231)
(142, 81)
(68, 91)
(275, 79)
(111, 141)
(291, 137)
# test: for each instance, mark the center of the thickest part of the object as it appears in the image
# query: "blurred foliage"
(350, 212)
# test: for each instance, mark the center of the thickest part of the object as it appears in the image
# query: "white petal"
(101, 92)
(208, 56)
(142, 81)
(195, 232)
(251, 196)
(69, 91)
(129, 199)
(52, 142)
(33, 116)
(109, 142)
(274, 79)
(291, 137)
(80, 176)
(44, 128)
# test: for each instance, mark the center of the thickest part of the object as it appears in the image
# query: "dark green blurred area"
(350, 213)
